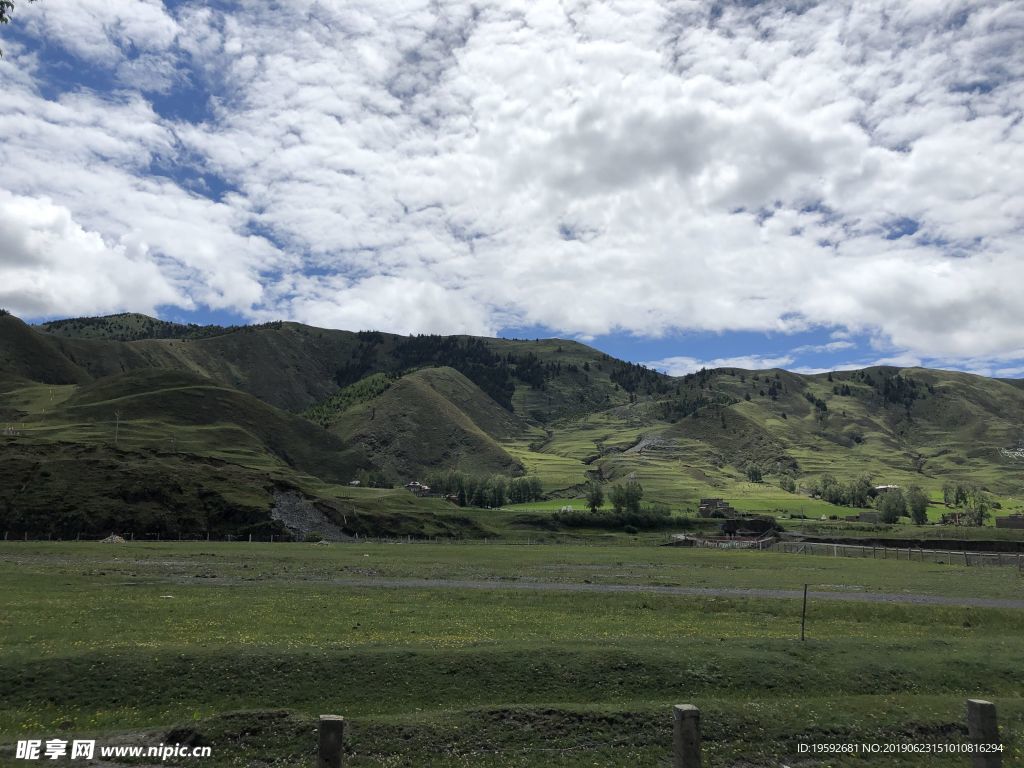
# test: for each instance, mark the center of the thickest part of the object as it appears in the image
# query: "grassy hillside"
(153, 399)
(28, 355)
(903, 427)
(155, 450)
(127, 326)
(293, 366)
(432, 418)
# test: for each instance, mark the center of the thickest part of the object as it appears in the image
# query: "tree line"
(485, 490)
(861, 493)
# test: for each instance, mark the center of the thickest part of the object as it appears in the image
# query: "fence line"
(171, 538)
(983, 746)
(913, 554)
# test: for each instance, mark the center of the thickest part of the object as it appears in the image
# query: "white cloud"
(101, 31)
(50, 264)
(622, 166)
(397, 304)
(682, 365)
(831, 346)
(95, 157)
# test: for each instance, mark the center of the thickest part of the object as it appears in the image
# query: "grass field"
(241, 646)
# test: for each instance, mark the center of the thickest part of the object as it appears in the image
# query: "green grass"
(245, 645)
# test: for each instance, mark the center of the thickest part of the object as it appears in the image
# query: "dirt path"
(757, 594)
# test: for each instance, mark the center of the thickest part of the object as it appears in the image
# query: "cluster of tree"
(374, 479)
(3, 312)
(473, 358)
(700, 378)
(495, 374)
(820, 405)
(127, 326)
(898, 390)
(485, 491)
(689, 403)
(626, 498)
(894, 388)
(974, 502)
(855, 493)
(529, 369)
(860, 492)
(639, 379)
(523, 489)
(754, 474)
(327, 411)
(630, 520)
(895, 503)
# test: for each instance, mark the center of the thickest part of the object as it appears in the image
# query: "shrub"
(646, 519)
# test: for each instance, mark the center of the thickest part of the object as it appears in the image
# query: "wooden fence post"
(685, 736)
(331, 742)
(983, 728)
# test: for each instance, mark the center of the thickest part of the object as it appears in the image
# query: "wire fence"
(905, 554)
(908, 554)
(174, 537)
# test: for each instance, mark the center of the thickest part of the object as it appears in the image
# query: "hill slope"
(432, 418)
(155, 450)
(293, 366)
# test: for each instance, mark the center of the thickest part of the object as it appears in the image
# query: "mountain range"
(127, 422)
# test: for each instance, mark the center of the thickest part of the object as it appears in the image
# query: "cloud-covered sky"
(809, 185)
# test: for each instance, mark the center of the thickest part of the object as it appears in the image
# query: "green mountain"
(128, 420)
(432, 418)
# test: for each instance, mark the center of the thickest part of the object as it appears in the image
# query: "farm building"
(749, 527)
(715, 508)
(1010, 521)
(417, 487)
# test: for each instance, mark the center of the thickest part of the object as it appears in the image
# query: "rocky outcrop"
(301, 516)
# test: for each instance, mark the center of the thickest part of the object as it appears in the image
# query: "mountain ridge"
(398, 407)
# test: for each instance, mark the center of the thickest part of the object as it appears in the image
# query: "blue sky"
(805, 185)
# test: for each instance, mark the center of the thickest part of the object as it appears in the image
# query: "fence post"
(685, 736)
(331, 741)
(983, 728)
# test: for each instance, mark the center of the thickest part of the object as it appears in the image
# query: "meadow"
(241, 646)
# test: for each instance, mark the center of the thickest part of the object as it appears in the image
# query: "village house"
(715, 508)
